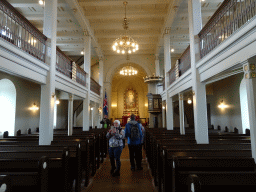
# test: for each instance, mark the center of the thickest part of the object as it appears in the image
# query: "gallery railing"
(228, 18)
(172, 76)
(63, 63)
(16, 29)
(80, 75)
(184, 62)
(95, 87)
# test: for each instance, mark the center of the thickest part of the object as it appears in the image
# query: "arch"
(120, 62)
(8, 106)
(244, 106)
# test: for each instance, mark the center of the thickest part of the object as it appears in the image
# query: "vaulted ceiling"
(148, 20)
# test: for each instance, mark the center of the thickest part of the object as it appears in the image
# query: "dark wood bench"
(168, 156)
(157, 165)
(220, 181)
(74, 164)
(25, 175)
(59, 178)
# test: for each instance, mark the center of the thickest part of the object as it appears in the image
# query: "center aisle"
(128, 180)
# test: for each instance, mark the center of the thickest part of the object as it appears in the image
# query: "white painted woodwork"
(48, 90)
(199, 96)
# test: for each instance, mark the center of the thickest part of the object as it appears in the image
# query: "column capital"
(86, 33)
(249, 71)
(181, 96)
(70, 97)
(167, 30)
(156, 56)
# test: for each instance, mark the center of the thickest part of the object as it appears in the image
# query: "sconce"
(34, 108)
(57, 101)
(91, 108)
(163, 107)
(189, 101)
(222, 105)
(100, 110)
(41, 2)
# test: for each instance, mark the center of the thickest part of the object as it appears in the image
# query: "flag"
(105, 105)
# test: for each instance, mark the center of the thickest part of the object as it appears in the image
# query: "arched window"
(8, 106)
(244, 106)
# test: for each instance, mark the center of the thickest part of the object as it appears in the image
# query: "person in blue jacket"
(134, 145)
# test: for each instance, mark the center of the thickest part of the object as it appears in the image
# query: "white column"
(102, 88)
(92, 114)
(250, 80)
(85, 115)
(167, 65)
(163, 114)
(199, 90)
(157, 65)
(48, 91)
(70, 115)
(87, 69)
(169, 112)
(167, 57)
(181, 112)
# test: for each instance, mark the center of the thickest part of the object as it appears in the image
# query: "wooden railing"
(95, 87)
(172, 76)
(63, 63)
(16, 29)
(184, 61)
(80, 76)
(228, 18)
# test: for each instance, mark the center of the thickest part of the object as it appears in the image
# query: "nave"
(128, 180)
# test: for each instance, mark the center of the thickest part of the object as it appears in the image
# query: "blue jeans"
(114, 154)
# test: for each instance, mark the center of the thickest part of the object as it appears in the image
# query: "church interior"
(186, 69)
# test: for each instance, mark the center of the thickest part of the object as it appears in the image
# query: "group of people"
(134, 132)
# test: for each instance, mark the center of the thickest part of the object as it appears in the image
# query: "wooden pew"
(168, 163)
(85, 148)
(220, 181)
(59, 178)
(28, 175)
(74, 164)
(5, 183)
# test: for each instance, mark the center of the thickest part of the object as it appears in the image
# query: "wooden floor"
(140, 181)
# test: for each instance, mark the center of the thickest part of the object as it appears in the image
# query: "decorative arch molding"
(118, 62)
(8, 106)
(132, 83)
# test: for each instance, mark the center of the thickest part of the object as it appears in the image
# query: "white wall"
(228, 91)
(28, 93)
(62, 114)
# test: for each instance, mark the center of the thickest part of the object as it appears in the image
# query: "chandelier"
(128, 71)
(125, 44)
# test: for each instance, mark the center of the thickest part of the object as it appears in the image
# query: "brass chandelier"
(125, 44)
(128, 71)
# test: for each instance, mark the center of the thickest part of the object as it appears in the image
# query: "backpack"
(135, 133)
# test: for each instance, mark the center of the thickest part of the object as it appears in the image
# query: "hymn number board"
(154, 103)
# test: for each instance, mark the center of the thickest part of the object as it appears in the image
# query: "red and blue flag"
(105, 105)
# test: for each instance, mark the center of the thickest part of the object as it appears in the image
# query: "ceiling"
(148, 20)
